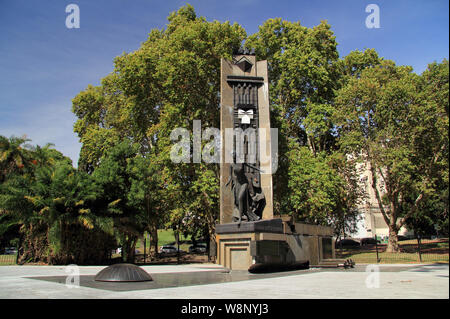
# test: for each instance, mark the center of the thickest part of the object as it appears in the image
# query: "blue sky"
(43, 64)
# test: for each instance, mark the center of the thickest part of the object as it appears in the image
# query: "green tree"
(388, 120)
(171, 80)
(14, 156)
(113, 178)
(432, 215)
(53, 205)
(147, 195)
(324, 189)
(313, 180)
(303, 72)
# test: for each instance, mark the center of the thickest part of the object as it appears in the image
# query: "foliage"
(324, 189)
(53, 204)
(14, 156)
(176, 71)
(389, 118)
(304, 72)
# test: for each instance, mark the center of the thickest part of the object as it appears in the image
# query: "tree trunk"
(311, 145)
(391, 218)
(129, 248)
(392, 246)
(211, 246)
(154, 238)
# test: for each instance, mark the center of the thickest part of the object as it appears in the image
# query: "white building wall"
(372, 222)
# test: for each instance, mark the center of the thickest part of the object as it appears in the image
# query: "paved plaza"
(209, 281)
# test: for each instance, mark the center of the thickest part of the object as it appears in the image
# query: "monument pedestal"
(273, 245)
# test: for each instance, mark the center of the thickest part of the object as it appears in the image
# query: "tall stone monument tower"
(245, 177)
(248, 236)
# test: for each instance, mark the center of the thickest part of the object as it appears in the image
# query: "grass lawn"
(166, 237)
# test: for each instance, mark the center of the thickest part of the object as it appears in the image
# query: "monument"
(248, 236)
(245, 107)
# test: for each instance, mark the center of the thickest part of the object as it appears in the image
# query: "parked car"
(10, 251)
(169, 249)
(347, 243)
(369, 241)
(198, 248)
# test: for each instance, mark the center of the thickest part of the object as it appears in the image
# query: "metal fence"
(411, 251)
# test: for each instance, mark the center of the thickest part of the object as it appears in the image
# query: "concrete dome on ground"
(123, 273)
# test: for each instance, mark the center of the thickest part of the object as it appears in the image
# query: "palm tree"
(14, 155)
(47, 156)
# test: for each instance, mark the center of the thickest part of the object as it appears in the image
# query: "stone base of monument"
(274, 245)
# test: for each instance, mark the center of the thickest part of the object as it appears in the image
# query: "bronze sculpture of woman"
(249, 200)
